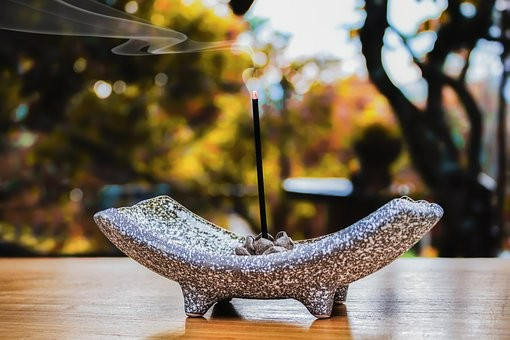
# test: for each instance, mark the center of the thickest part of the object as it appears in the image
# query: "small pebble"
(274, 249)
(242, 251)
(261, 245)
(282, 240)
(249, 244)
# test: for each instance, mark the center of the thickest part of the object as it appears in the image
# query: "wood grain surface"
(79, 298)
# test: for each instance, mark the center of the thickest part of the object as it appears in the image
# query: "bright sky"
(321, 27)
(317, 26)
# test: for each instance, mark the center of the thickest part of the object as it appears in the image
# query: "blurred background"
(361, 101)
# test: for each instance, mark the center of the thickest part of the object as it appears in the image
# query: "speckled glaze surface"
(169, 239)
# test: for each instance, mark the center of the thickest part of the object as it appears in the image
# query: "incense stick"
(260, 171)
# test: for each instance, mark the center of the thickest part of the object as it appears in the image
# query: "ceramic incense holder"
(167, 238)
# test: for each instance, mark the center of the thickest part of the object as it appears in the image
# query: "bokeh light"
(160, 79)
(76, 195)
(80, 65)
(131, 7)
(119, 87)
(102, 89)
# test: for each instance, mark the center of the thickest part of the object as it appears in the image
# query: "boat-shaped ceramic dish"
(167, 238)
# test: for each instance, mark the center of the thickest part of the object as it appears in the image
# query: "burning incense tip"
(254, 95)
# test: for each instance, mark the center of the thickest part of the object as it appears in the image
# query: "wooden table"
(105, 298)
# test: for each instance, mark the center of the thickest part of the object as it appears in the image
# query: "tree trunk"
(467, 227)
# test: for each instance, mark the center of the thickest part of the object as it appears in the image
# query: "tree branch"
(425, 152)
(463, 72)
(459, 32)
(434, 101)
(474, 114)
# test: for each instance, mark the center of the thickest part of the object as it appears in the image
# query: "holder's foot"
(319, 301)
(341, 295)
(196, 301)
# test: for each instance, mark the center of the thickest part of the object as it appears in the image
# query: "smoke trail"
(90, 18)
(94, 19)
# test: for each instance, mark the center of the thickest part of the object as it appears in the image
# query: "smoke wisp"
(91, 18)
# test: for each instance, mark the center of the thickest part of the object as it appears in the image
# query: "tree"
(471, 225)
(75, 117)
(453, 174)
